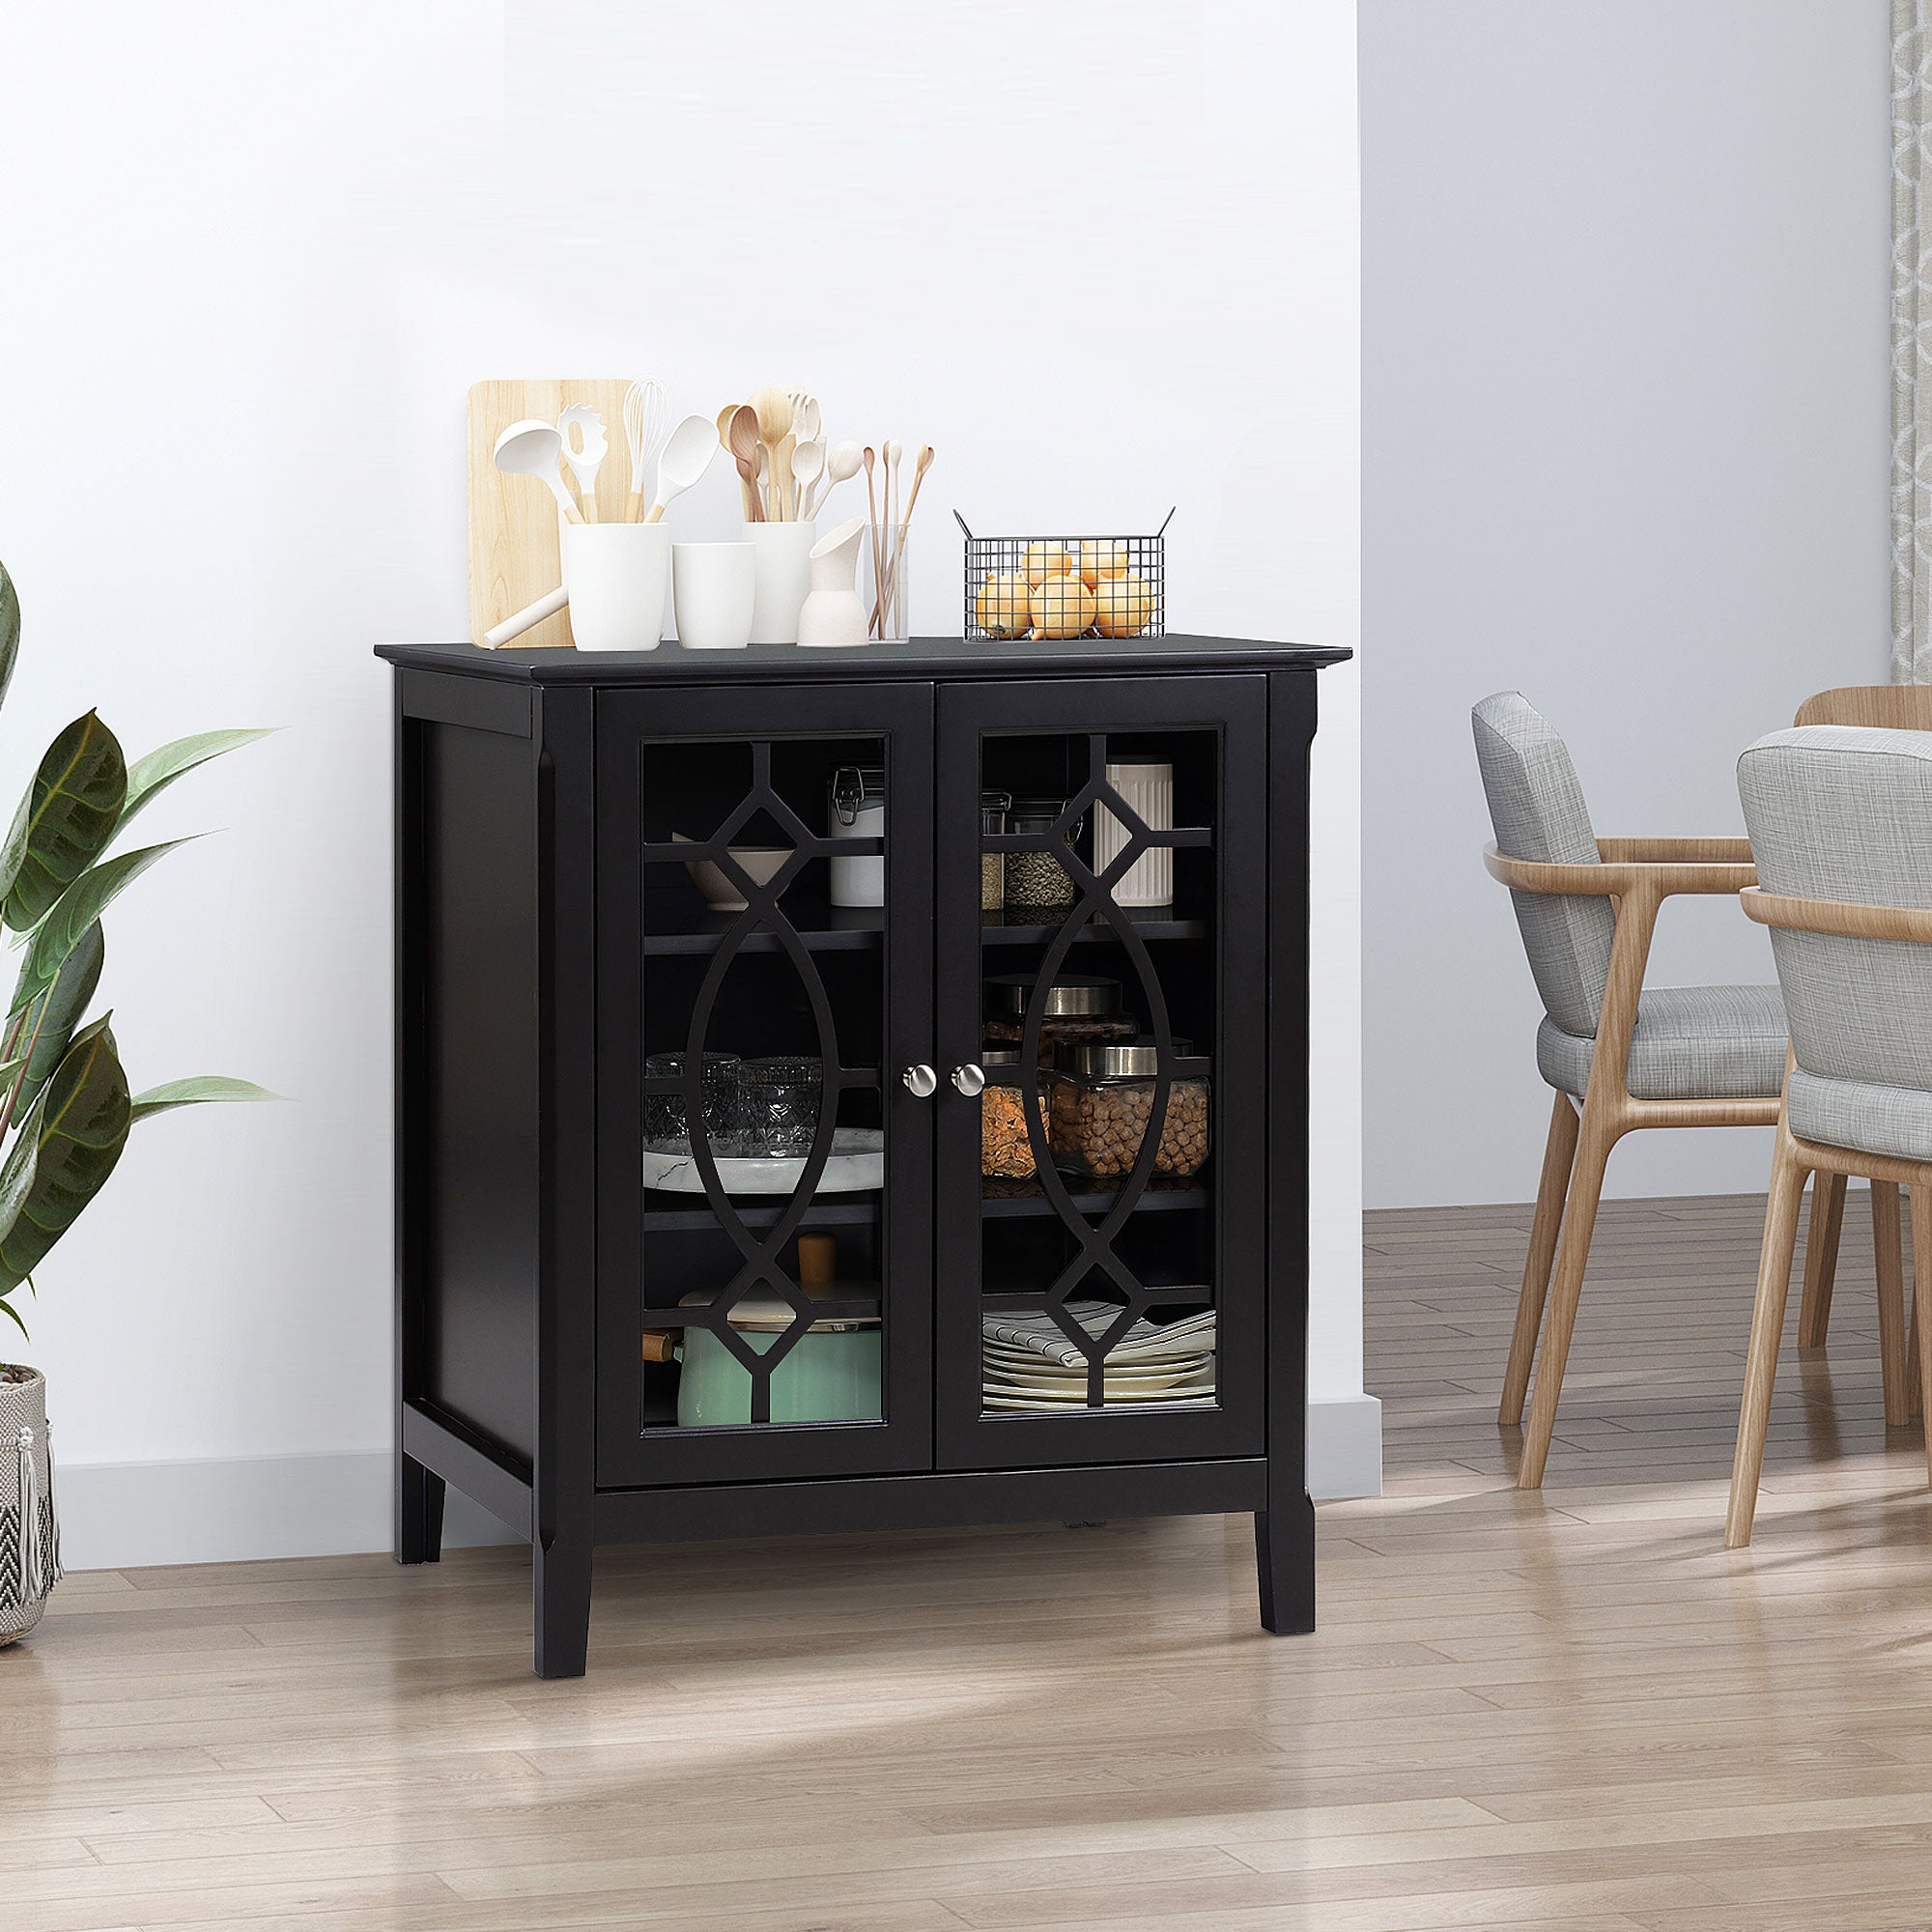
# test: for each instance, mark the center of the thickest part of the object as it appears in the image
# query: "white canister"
(784, 578)
(1148, 791)
(712, 588)
(615, 574)
(857, 809)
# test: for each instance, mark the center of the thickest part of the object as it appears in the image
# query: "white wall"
(1104, 268)
(1625, 448)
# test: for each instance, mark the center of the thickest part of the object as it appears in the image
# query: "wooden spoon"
(773, 408)
(724, 417)
(919, 469)
(740, 438)
(808, 462)
(872, 514)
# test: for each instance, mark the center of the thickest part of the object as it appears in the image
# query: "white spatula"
(686, 457)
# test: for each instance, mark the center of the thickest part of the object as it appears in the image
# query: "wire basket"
(1057, 588)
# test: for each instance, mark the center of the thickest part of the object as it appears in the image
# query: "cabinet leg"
(419, 1494)
(1285, 1557)
(560, 1579)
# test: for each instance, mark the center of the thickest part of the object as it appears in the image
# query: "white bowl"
(761, 862)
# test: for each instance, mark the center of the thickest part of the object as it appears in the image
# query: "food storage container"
(778, 1104)
(1037, 881)
(857, 809)
(667, 1129)
(1100, 1098)
(993, 809)
(1079, 1007)
(831, 1374)
(1006, 1150)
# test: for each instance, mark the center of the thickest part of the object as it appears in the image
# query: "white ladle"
(584, 462)
(808, 463)
(533, 448)
(686, 457)
(840, 466)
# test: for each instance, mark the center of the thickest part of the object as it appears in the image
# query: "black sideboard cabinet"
(553, 1283)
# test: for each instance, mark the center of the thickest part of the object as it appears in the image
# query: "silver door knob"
(921, 1080)
(969, 1079)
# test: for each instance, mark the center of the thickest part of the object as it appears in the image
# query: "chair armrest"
(1619, 876)
(1675, 851)
(1840, 917)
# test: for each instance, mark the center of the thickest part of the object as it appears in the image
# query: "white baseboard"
(136, 1516)
(1345, 1448)
(131, 1516)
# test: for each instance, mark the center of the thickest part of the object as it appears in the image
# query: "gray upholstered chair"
(1840, 822)
(1618, 1056)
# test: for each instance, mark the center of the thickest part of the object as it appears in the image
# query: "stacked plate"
(1029, 1364)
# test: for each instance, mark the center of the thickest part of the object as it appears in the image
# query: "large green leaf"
(63, 823)
(160, 768)
(65, 1149)
(47, 1024)
(76, 909)
(10, 630)
(197, 1088)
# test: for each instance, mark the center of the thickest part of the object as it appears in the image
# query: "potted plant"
(66, 1110)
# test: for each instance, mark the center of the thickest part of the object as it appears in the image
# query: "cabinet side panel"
(479, 1019)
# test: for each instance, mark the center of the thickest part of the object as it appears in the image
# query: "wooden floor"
(1569, 1710)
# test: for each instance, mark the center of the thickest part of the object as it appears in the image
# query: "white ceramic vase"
(784, 578)
(714, 588)
(616, 574)
(834, 614)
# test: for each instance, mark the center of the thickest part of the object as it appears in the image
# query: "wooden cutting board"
(515, 555)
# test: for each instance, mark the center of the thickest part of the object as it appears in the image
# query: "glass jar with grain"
(1076, 1006)
(993, 809)
(1006, 1147)
(1100, 1104)
(1037, 882)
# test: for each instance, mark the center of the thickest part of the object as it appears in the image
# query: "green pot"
(832, 1373)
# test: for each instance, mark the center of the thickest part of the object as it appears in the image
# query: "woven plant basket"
(29, 1531)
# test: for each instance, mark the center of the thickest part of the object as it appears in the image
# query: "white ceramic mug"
(714, 586)
(615, 574)
(784, 576)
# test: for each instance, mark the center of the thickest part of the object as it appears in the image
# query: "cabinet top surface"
(918, 658)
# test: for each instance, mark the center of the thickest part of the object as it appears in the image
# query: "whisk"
(646, 428)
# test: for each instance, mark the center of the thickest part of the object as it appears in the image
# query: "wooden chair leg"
(1887, 1248)
(1773, 1283)
(1921, 1303)
(1559, 1154)
(1594, 1142)
(1820, 1259)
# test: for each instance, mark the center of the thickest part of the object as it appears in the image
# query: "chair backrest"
(1890, 707)
(1537, 807)
(1842, 811)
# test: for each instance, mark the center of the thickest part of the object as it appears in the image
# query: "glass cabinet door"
(1101, 1153)
(765, 948)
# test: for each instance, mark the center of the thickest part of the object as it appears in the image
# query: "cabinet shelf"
(838, 1210)
(1030, 1199)
(852, 929)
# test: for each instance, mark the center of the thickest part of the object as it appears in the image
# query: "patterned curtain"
(1910, 350)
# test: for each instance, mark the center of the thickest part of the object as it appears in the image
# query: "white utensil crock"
(834, 613)
(714, 588)
(1148, 791)
(783, 578)
(615, 574)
